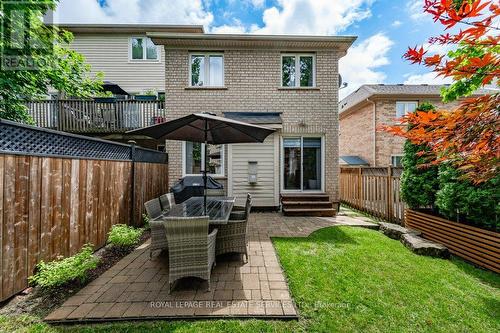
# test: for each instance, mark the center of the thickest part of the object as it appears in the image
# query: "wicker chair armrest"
(211, 237)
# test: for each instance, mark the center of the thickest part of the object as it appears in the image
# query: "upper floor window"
(403, 108)
(142, 48)
(298, 70)
(206, 70)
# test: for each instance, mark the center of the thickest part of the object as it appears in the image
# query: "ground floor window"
(396, 160)
(302, 165)
(194, 159)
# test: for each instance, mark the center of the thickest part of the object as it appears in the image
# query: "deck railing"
(90, 116)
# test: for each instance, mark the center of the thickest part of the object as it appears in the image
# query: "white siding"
(265, 192)
(109, 54)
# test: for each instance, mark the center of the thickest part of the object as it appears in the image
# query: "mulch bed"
(34, 301)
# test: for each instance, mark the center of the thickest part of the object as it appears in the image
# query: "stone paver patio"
(137, 287)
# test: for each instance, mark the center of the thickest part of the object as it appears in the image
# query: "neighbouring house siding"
(252, 82)
(265, 192)
(110, 54)
(356, 134)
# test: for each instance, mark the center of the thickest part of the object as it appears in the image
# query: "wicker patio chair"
(191, 250)
(158, 235)
(167, 201)
(232, 237)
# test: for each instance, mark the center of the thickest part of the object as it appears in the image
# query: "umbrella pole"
(205, 171)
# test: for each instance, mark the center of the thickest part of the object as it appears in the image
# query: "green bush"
(122, 235)
(459, 199)
(418, 185)
(59, 272)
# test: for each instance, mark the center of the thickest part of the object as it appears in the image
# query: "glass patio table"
(218, 209)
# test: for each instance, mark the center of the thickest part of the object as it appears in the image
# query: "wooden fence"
(51, 206)
(479, 246)
(90, 116)
(373, 190)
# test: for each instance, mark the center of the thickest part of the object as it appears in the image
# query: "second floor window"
(206, 70)
(403, 108)
(142, 48)
(298, 70)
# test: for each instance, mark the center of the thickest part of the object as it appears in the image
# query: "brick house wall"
(252, 83)
(357, 133)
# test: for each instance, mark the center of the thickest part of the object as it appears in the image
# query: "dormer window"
(298, 70)
(206, 70)
(142, 48)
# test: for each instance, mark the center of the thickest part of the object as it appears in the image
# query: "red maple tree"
(469, 136)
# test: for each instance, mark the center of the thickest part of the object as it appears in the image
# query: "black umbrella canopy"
(206, 127)
(114, 88)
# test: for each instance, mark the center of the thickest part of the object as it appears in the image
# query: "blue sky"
(384, 27)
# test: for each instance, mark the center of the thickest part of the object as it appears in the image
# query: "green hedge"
(442, 189)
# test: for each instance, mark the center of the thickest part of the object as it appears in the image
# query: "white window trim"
(207, 68)
(406, 106)
(223, 161)
(158, 51)
(397, 155)
(297, 69)
(282, 162)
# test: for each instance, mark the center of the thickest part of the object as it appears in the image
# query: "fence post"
(132, 192)
(389, 199)
(360, 188)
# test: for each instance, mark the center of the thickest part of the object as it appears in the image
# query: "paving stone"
(100, 310)
(76, 300)
(280, 294)
(136, 309)
(278, 285)
(117, 310)
(81, 311)
(61, 313)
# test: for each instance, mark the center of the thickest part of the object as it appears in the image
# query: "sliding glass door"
(302, 164)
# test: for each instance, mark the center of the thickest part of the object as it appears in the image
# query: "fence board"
(52, 206)
(373, 190)
(479, 246)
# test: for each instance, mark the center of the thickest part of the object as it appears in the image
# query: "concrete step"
(324, 212)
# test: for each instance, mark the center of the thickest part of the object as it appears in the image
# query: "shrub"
(459, 199)
(418, 184)
(122, 235)
(59, 272)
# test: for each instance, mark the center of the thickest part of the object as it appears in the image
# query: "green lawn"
(354, 280)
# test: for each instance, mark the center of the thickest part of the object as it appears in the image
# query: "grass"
(350, 280)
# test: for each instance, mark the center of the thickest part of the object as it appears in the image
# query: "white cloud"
(360, 64)
(415, 9)
(322, 17)
(396, 23)
(134, 11)
(258, 3)
(236, 28)
(427, 78)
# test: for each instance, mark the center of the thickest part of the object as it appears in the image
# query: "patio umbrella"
(206, 128)
(114, 88)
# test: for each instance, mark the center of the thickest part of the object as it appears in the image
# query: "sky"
(385, 28)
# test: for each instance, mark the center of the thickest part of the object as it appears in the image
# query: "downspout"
(374, 120)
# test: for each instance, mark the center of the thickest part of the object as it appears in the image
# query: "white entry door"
(302, 164)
